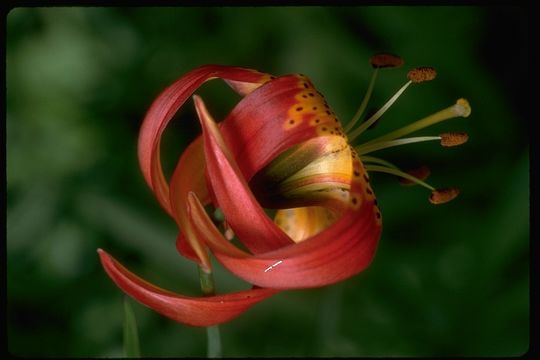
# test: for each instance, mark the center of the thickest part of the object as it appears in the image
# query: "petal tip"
(102, 254)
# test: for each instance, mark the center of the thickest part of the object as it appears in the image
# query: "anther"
(441, 196)
(421, 74)
(453, 138)
(384, 60)
(421, 173)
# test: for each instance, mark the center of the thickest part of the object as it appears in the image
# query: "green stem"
(207, 281)
(131, 337)
(214, 338)
(214, 342)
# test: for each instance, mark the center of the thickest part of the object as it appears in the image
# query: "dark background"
(447, 280)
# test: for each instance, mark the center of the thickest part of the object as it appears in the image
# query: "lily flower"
(282, 148)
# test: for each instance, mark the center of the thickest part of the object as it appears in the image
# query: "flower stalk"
(131, 336)
(213, 344)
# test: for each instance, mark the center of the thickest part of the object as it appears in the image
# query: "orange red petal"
(162, 111)
(341, 251)
(283, 112)
(195, 311)
(242, 210)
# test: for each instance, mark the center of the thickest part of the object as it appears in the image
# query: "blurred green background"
(448, 280)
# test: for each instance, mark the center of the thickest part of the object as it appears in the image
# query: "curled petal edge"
(191, 162)
(282, 113)
(339, 252)
(242, 210)
(194, 311)
(165, 106)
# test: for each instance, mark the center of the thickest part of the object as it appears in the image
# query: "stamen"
(375, 160)
(366, 149)
(438, 196)
(369, 114)
(421, 74)
(364, 103)
(415, 75)
(395, 138)
(453, 138)
(385, 60)
(378, 61)
(359, 130)
(441, 196)
(460, 108)
(400, 174)
(421, 173)
(447, 140)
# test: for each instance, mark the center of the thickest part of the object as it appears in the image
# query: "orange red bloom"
(282, 148)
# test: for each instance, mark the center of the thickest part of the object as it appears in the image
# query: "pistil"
(460, 109)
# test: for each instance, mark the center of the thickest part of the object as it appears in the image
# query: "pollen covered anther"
(453, 138)
(421, 173)
(441, 196)
(421, 74)
(385, 60)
